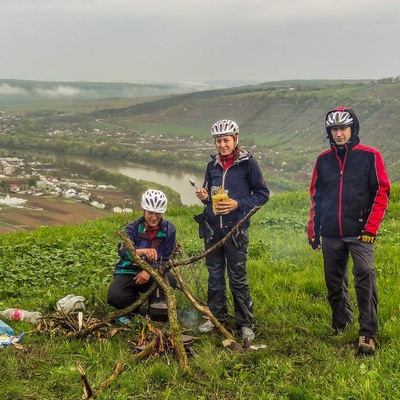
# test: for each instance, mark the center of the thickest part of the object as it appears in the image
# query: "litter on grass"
(6, 340)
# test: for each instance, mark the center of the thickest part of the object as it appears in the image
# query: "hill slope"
(299, 358)
(281, 123)
(285, 123)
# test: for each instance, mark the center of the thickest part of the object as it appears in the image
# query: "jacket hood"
(355, 128)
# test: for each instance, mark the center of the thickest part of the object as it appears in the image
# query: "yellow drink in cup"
(218, 195)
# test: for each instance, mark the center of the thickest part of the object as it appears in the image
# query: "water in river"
(178, 181)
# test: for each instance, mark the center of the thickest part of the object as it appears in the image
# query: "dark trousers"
(123, 291)
(229, 258)
(336, 251)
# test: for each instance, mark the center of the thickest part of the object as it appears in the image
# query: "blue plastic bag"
(5, 329)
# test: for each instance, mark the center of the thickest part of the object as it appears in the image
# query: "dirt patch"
(115, 199)
(41, 211)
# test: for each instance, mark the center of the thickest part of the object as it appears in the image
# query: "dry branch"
(88, 392)
(170, 298)
(191, 260)
(203, 309)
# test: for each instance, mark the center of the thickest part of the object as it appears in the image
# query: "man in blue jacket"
(349, 195)
(154, 239)
(235, 172)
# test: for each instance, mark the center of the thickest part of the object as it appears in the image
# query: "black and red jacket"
(349, 191)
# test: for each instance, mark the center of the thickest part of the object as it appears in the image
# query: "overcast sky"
(198, 40)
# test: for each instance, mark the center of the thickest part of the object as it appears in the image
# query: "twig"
(119, 367)
(88, 393)
(148, 350)
(87, 390)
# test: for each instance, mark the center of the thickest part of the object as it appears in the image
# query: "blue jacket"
(245, 184)
(164, 242)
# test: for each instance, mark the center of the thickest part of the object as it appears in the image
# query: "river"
(178, 181)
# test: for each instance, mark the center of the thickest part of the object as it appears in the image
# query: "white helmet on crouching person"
(154, 201)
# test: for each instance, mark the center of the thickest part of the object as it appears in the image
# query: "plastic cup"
(217, 196)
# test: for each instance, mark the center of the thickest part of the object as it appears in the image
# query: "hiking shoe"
(366, 345)
(247, 333)
(124, 320)
(206, 327)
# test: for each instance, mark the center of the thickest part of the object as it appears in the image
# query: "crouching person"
(154, 239)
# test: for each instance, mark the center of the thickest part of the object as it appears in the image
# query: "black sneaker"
(366, 345)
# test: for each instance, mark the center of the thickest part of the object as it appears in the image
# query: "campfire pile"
(160, 343)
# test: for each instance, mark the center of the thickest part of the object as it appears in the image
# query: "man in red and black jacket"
(349, 195)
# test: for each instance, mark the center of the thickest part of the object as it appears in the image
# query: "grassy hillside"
(281, 123)
(285, 124)
(301, 360)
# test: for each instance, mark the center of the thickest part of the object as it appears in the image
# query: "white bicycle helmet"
(338, 118)
(154, 201)
(224, 127)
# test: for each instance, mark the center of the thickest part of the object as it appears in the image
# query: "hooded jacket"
(349, 191)
(245, 184)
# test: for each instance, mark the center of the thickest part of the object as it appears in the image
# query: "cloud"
(61, 91)
(8, 90)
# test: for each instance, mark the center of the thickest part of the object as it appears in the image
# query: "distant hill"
(20, 91)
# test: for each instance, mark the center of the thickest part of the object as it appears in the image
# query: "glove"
(315, 243)
(239, 239)
(367, 237)
(205, 230)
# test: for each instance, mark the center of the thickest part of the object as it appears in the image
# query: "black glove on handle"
(315, 243)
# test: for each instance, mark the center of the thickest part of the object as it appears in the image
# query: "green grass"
(302, 360)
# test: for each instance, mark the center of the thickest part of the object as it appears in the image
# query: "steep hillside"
(281, 123)
(285, 120)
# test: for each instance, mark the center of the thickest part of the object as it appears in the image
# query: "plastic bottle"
(5, 329)
(16, 314)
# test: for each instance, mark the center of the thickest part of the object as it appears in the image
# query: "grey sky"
(198, 40)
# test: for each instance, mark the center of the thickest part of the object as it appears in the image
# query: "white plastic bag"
(71, 303)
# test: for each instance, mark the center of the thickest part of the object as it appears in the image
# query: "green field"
(302, 360)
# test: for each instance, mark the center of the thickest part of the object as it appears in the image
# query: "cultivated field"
(41, 211)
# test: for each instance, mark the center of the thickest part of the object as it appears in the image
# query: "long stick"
(219, 244)
(198, 306)
(171, 302)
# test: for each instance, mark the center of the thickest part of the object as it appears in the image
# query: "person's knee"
(118, 299)
(114, 300)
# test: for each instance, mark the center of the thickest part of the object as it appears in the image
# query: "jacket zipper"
(341, 166)
(224, 172)
(221, 225)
